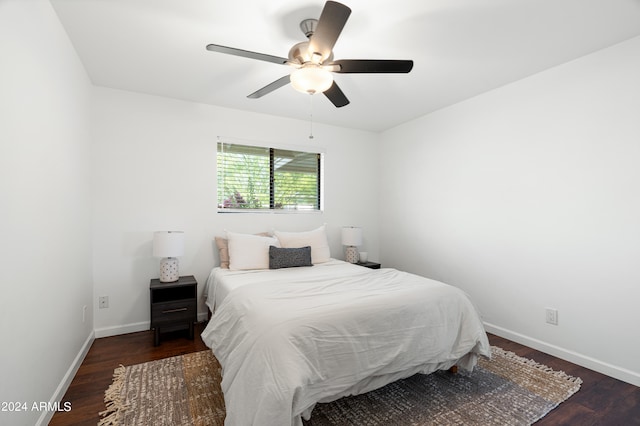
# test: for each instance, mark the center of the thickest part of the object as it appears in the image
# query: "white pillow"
(249, 251)
(317, 239)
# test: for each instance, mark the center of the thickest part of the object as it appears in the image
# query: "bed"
(290, 338)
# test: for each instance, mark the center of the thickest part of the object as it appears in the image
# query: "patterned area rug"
(506, 390)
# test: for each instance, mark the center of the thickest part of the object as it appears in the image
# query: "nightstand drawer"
(183, 310)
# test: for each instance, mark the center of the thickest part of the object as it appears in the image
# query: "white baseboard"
(568, 355)
(46, 415)
(122, 329)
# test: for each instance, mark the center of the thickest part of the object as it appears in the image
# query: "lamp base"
(169, 270)
(351, 254)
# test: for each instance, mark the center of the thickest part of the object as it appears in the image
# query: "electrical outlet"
(552, 316)
(103, 302)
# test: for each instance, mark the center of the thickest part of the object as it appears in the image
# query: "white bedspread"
(290, 338)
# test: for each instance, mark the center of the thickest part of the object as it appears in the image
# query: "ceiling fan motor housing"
(299, 53)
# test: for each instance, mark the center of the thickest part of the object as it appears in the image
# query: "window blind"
(259, 178)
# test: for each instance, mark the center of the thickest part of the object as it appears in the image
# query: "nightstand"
(370, 265)
(173, 306)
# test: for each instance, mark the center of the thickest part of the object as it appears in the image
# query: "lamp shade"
(351, 236)
(168, 243)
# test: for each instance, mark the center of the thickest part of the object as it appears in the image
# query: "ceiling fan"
(313, 59)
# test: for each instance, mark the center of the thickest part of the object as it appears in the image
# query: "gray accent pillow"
(289, 257)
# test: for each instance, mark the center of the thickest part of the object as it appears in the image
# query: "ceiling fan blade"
(330, 24)
(373, 66)
(336, 96)
(246, 54)
(282, 81)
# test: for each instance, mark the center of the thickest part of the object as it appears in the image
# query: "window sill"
(265, 211)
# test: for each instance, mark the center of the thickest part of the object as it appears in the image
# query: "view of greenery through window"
(251, 177)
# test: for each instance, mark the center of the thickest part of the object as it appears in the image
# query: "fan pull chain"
(311, 117)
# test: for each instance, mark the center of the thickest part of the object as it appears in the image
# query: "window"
(258, 178)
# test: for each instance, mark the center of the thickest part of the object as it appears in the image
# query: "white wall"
(45, 208)
(154, 169)
(527, 197)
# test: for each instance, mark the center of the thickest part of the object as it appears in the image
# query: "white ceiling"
(460, 48)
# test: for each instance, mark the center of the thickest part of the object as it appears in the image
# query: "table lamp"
(351, 237)
(168, 245)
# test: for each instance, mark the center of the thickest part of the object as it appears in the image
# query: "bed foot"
(453, 369)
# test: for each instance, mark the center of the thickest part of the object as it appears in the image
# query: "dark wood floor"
(600, 401)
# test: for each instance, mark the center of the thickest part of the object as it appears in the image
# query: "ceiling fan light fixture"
(311, 79)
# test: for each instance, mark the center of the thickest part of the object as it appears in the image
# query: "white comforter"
(290, 338)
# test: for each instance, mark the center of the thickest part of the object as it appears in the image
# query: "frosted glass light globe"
(311, 79)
